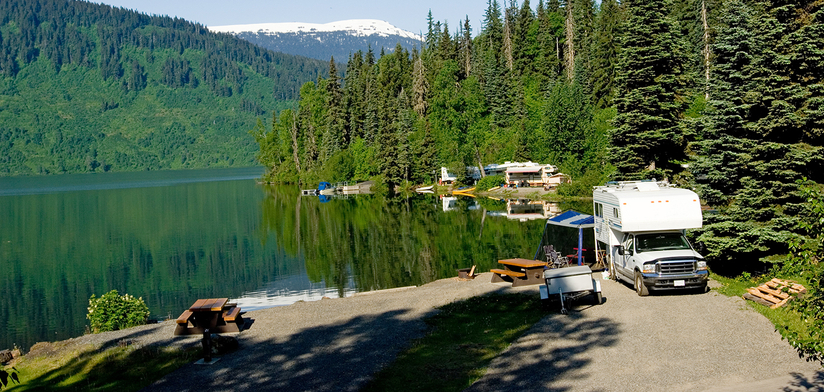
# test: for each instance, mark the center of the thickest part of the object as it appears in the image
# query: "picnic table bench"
(520, 272)
(208, 316)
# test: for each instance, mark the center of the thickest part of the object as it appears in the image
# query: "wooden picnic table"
(521, 272)
(208, 316)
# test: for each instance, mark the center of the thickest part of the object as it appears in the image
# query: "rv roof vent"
(647, 186)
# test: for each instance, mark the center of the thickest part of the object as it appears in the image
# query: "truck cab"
(662, 260)
(640, 227)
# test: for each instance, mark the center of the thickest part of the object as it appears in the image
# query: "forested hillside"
(88, 87)
(724, 96)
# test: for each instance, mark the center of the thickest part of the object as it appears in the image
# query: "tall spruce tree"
(647, 140)
(723, 169)
(766, 120)
(605, 52)
(334, 138)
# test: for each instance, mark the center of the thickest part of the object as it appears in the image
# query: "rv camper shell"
(640, 227)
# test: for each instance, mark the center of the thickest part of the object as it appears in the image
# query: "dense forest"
(87, 87)
(724, 96)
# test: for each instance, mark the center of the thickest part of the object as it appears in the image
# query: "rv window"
(661, 241)
(615, 212)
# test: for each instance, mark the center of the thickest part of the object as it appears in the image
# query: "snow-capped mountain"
(357, 27)
(321, 41)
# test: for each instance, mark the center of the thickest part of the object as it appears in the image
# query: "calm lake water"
(172, 237)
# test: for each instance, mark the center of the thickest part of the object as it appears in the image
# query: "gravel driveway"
(327, 345)
(697, 342)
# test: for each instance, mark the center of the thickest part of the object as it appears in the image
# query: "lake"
(172, 237)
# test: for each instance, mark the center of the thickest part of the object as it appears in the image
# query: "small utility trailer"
(570, 284)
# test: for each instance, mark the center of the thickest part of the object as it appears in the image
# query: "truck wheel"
(642, 290)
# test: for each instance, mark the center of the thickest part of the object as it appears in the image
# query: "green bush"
(340, 167)
(112, 312)
(582, 186)
(489, 182)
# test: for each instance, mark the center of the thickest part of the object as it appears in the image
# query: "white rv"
(640, 226)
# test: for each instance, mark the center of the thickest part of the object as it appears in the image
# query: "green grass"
(62, 367)
(463, 339)
(784, 318)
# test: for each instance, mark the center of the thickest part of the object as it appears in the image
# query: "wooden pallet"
(775, 293)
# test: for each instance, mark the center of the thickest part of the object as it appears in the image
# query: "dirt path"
(697, 342)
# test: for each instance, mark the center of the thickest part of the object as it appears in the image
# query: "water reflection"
(525, 209)
(288, 290)
(259, 245)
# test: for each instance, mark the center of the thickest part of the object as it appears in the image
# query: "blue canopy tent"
(573, 219)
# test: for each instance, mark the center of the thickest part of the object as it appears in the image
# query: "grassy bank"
(784, 318)
(62, 366)
(463, 339)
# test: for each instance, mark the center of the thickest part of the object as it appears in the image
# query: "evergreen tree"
(354, 96)
(764, 132)
(647, 140)
(494, 63)
(583, 13)
(334, 139)
(466, 48)
(420, 87)
(425, 153)
(605, 52)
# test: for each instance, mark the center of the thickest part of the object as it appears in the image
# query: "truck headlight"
(649, 268)
(701, 265)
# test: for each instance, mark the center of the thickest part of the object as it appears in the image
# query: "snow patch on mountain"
(356, 27)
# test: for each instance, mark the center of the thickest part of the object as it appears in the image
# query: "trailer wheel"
(642, 290)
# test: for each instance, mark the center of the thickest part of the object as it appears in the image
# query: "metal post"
(580, 244)
(207, 345)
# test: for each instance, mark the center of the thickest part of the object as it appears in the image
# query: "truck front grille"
(677, 268)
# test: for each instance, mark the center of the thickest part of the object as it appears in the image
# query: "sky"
(407, 15)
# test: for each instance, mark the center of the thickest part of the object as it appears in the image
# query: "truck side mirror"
(624, 251)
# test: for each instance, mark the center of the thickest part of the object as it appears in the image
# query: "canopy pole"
(580, 244)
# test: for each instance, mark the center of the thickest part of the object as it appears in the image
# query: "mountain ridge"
(362, 27)
(322, 41)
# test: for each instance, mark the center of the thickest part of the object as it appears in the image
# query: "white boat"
(425, 188)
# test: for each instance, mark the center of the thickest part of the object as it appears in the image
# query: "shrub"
(489, 182)
(340, 167)
(582, 187)
(807, 261)
(112, 312)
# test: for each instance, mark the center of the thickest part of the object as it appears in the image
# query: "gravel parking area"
(697, 342)
(327, 345)
(668, 342)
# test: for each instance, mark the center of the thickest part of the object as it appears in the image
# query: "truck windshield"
(660, 241)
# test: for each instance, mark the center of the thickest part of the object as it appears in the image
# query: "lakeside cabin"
(515, 173)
